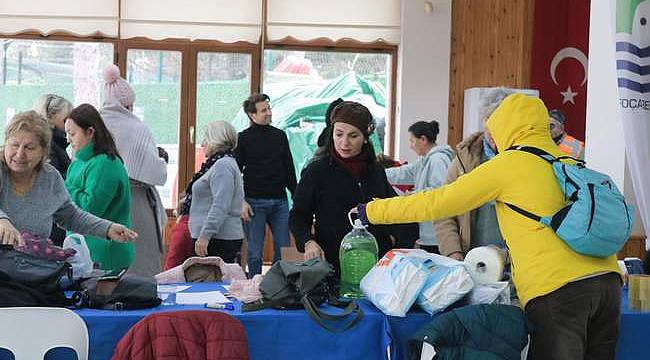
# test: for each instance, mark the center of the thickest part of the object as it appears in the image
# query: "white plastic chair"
(29, 332)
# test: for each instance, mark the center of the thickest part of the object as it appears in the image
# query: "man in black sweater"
(265, 160)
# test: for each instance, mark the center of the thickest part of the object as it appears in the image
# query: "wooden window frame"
(204, 46)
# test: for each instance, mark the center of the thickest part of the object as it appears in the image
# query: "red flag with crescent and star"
(559, 59)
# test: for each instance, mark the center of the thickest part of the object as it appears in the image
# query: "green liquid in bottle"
(357, 254)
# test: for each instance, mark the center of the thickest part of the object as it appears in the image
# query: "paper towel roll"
(485, 264)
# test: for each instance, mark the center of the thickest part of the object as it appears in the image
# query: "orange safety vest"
(572, 146)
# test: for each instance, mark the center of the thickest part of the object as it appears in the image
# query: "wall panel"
(490, 46)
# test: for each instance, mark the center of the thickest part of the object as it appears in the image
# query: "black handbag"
(307, 284)
(26, 280)
(125, 293)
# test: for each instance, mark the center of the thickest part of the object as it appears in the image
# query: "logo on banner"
(569, 53)
(633, 54)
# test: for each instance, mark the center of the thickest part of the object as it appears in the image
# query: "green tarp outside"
(299, 110)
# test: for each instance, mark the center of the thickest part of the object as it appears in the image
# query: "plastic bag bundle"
(405, 276)
(447, 281)
(394, 283)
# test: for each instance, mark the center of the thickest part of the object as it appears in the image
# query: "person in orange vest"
(567, 143)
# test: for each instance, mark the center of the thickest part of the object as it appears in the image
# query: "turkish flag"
(559, 59)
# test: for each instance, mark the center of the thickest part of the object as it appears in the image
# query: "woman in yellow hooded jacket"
(573, 300)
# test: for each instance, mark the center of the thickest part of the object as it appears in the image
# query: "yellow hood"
(521, 120)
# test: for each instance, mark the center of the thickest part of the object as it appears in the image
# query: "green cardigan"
(100, 185)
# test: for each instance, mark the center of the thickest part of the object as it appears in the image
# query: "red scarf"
(356, 165)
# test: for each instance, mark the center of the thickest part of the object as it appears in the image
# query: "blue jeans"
(274, 212)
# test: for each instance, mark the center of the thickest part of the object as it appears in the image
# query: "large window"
(223, 82)
(182, 86)
(156, 79)
(301, 84)
(30, 68)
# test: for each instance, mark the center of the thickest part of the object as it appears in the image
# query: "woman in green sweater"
(98, 183)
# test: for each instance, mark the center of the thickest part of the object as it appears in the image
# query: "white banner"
(633, 72)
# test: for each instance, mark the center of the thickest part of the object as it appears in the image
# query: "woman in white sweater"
(146, 167)
(427, 172)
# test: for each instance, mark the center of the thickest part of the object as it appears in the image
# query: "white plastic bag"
(82, 263)
(491, 293)
(447, 281)
(394, 283)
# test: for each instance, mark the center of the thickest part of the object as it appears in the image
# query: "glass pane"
(301, 85)
(31, 68)
(156, 79)
(224, 82)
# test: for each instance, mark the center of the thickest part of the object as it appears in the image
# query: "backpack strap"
(523, 212)
(542, 154)
(132, 305)
(557, 219)
(261, 304)
(535, 151)
(318, 316)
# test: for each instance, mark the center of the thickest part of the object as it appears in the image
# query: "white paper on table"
(200, 298)
(172, 288)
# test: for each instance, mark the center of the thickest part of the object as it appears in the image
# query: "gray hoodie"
(427, 172)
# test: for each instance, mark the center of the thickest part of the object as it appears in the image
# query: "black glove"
(163, 154)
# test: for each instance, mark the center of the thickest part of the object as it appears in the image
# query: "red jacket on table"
(196, 335)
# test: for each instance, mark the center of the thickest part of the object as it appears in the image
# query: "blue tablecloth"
(401, 329)
(291, 334)
(635, 327)
(272, 334)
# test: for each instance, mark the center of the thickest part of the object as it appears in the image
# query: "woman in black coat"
(347, 174)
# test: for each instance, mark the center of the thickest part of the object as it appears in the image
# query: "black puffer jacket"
(326, 192)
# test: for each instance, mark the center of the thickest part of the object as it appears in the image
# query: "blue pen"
(228, 306)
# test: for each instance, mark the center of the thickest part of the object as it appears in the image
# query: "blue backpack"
(596, 221)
